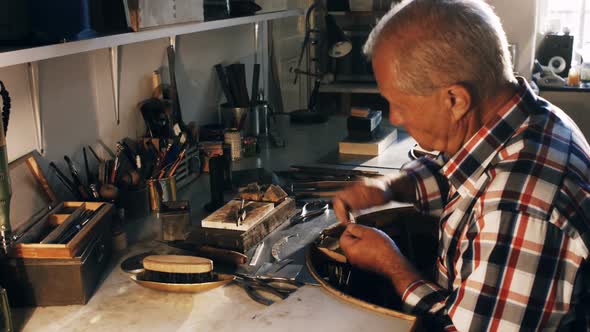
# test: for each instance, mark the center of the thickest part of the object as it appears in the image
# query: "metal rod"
(33, 72)
(114, 59)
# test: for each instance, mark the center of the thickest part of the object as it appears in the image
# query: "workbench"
(120, 304)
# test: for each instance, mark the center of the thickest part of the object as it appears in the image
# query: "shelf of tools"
(142, 174)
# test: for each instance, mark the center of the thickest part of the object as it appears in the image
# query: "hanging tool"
(172, 67)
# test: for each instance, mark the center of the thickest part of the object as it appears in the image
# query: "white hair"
(434, 43)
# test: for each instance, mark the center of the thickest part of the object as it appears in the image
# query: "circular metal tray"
(412, 232)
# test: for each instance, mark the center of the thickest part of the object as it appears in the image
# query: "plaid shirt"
(514, 232)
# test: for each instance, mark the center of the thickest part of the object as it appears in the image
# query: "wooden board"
(225, 217)
(384, 137)
(242, 241)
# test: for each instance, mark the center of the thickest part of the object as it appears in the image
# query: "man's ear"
(458, 101)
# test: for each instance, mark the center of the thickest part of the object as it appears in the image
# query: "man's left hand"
(369, 249)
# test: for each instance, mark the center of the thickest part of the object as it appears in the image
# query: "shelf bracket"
(33, 73)
(115, 77)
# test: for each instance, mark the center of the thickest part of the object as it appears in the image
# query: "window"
(570, 15)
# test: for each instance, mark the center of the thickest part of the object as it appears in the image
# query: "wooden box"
(51, 274)
(240, 240)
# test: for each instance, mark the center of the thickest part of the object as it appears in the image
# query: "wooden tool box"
(259, 223)
(46, 274)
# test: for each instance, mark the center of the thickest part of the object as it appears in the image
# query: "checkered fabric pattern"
(514, 232)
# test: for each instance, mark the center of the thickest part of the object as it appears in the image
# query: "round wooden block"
(178, 264)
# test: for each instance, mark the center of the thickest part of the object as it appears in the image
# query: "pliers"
(255, 287)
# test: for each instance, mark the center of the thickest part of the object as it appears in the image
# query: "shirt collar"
(465, 168)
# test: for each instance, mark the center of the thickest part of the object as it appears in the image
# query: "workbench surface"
(120, 304)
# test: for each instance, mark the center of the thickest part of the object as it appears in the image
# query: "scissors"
(260, 287)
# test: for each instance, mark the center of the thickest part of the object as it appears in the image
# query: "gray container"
(176, 221)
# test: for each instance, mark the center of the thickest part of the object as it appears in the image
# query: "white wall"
(519, 22)
(76, 95)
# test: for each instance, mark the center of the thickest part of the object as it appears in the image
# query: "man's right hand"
(367, 194)
(356, 197)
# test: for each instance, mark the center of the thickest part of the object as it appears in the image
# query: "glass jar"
(573, 76)
(585, 73)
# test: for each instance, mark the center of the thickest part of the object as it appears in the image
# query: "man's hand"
(368, 248)
(372, 250)
(356, 197)
(373, 192)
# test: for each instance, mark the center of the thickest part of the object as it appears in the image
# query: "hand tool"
(241, 214)
(177, 162)
(76, 179)
(98, 159)
(64, 180)
(310, 210)
(175, 99)
(316, 185)
(89, 178)
(84, 219)
(335, 171)
(113, 177)
(64, 226)
(258, 288)
(225, 85)
(34, 167)
(315, 194)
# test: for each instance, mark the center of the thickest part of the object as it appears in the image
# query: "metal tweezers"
(241, 214)
(255, 287)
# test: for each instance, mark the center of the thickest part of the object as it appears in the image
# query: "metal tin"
(161, 190)
(176, 221)
(233, 117)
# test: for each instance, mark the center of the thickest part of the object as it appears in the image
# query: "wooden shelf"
(26, 55)
(350, 88)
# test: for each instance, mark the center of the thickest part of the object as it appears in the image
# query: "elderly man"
(511, 189)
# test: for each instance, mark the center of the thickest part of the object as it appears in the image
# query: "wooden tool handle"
(38, 174)
(178, 264)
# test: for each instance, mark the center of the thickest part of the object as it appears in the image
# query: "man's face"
(426, 118)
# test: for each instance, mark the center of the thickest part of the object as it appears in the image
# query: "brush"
(178, 269)
(76, 178)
